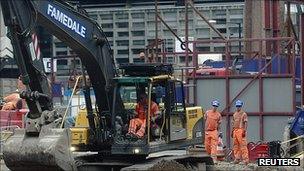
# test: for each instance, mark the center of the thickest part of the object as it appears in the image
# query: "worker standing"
(238, 134)
(212, 125)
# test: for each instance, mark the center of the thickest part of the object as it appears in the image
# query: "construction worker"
(212, 125)
(12, 102)
(137, 126)
(238, 134)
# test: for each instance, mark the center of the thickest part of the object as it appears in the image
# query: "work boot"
(244, 163)
(129, 136)
(235, 162)
(138, 136)
(214, 160)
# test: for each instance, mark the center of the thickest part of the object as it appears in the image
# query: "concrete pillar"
(1, 23)
(253, 24)
(262, 19)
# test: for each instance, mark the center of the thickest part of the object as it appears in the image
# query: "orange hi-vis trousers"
(211, 141)
(240, 150)
(135, 124)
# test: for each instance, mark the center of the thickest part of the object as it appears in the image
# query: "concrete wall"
(7, 86)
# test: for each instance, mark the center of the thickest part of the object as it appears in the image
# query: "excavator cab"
(172, 126)
(130, 92)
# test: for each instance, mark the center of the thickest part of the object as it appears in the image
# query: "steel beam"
(156, 29)
(275, 24)
(244, 40)
(266, 114)
(187, 49)
(261, 96)
(295, 1)
(267, 24)
(302, 58)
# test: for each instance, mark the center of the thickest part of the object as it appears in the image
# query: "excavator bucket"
(48, 151)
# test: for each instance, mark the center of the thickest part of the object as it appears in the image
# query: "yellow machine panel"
(194, 114)
(79, 136)
(81, 119)
(79, 132)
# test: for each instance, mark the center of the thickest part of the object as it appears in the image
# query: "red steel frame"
(271, 18)
(259, 77)
(302, 58)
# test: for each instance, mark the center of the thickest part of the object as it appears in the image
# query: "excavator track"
(167, 161)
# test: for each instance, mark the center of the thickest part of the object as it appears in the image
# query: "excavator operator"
(137, 126)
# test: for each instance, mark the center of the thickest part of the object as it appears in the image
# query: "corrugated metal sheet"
(253, 129)
(277, 95)
(250, 97)
(274, 127)
(208, 90)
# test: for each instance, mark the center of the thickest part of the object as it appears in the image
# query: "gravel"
(251, 167)
(169, 166)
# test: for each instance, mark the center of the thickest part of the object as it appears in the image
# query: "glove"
(232, 133)
(243, 133)
(153, 119)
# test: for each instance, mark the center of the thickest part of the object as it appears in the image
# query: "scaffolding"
(276, 58)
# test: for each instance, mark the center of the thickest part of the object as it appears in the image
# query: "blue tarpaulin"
(279, 64)
(298, 123)
(56, 90)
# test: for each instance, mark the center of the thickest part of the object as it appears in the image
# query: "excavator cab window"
(157, 126)
(175, 105)
(129, 93)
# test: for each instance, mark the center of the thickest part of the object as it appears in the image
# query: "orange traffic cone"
(220, 148)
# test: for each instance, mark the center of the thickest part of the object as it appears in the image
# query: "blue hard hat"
(239, 103)
(215, 103)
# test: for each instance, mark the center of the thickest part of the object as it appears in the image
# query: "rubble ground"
(251, 167)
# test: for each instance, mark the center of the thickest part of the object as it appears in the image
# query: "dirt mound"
(165, 165)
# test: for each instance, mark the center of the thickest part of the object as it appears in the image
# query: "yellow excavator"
(177, 124)
(99, 131)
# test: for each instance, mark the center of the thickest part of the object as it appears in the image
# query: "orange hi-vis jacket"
(140, 121)
(239, 119)
(212, 120)
(141, 111)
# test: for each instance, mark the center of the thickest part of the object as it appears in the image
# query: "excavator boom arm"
(40, 145)
(71, 26)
